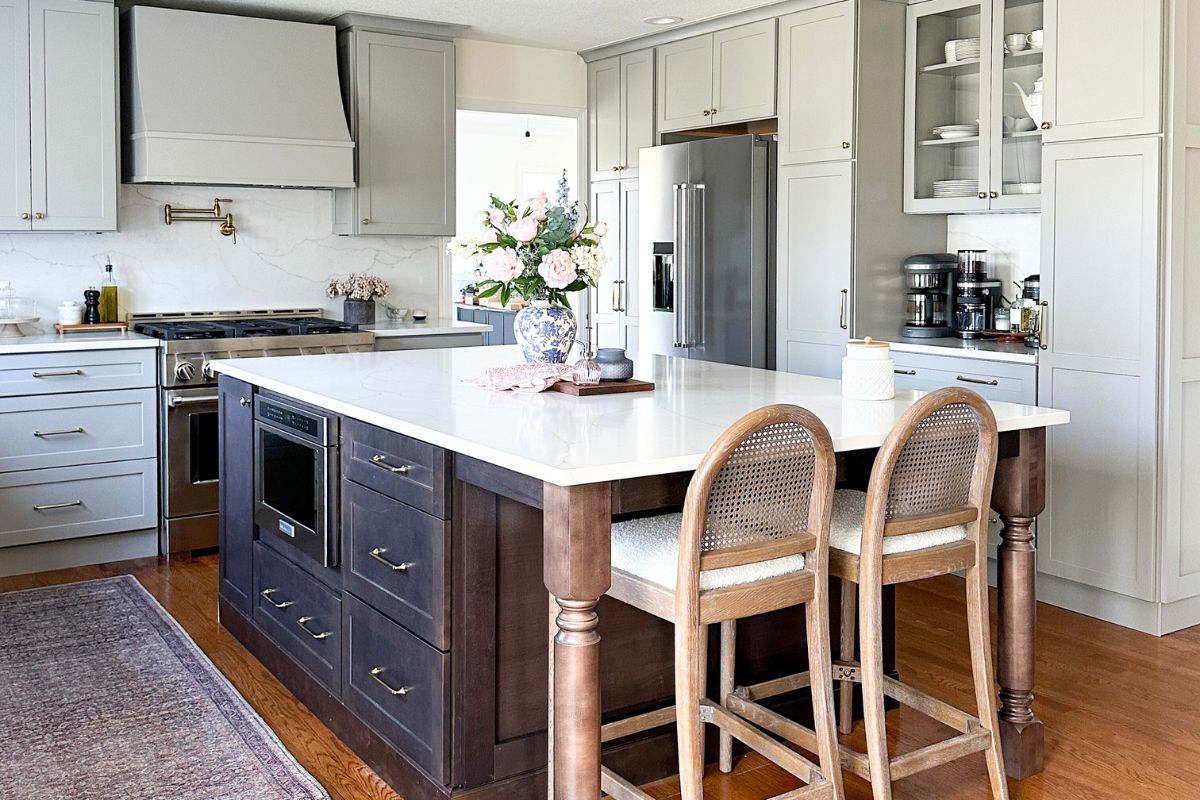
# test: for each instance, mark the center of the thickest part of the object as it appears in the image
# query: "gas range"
(192, 340)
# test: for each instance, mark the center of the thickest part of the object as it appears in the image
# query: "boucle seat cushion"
(845, 531)
(648, 547)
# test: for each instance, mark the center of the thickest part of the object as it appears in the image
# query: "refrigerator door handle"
(693, 332)
(679, 213)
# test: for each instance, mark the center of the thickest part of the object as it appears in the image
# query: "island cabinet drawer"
(47, 505)
(394, 557)
(77, 371)
(405, 469)
(302, 616)
(68, 429)
(993, 380)
(398, 685)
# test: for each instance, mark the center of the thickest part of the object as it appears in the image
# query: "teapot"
(1032, 101)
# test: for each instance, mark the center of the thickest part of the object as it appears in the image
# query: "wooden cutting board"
(604, 387)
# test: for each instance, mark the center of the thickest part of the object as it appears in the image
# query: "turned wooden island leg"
(577, 545)
(1018, 497)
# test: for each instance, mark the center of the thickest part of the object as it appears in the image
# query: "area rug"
(104, 697)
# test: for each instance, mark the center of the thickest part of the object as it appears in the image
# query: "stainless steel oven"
(296, 476)
(190, 468)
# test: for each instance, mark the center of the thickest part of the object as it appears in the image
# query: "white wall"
(284, 255)
(497, 77)
(1013, 242)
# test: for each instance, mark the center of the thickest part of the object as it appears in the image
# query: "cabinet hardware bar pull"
(303, 623)
(905, 371)
(377, 671)
(842, 303)
(59, 374)
(377, 554)
(381, 462)
(621, 303)
(616, 296)
(52, 506)
(266, 595)
(63, 432)
(979, 381)
(1044, 326)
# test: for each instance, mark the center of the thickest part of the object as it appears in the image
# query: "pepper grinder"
(91, 306)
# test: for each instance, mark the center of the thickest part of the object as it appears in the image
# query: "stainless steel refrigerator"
(707, 250)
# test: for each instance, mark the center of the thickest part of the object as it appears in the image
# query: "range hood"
(232, 101)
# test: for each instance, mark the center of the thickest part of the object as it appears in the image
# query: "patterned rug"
(104, 697)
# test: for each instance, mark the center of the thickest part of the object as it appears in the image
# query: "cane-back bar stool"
(752, 538)
(924, 514)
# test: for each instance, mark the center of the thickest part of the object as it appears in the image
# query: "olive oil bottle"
(108, 295)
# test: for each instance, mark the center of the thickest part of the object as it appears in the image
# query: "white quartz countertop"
(432, 327)
(982, 349)
(53, 342)
(572, 440)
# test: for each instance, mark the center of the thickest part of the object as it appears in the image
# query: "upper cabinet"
(816, 84)
(58, 148)
(972, 116)
(718, 78)
(400, 97)
(1104, 68)
(620, 114)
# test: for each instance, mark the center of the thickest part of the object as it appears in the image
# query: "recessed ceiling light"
(662, 20)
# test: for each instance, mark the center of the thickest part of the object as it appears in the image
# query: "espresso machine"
(929, 300)
(976, 296)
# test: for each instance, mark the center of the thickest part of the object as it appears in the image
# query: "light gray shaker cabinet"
(58, 98)
(620, 114)
(400, 98)
(816, 84)
(716, 79)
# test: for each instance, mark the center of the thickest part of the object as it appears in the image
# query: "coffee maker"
(930, 282)
(977, 294)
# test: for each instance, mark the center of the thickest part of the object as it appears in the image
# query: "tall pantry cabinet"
(58, 99)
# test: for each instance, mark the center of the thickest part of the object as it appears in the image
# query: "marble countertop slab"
(982, 349)
(53, 342)
(385, 328)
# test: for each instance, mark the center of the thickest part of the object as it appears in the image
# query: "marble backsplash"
(1013, 242)
(284, 255)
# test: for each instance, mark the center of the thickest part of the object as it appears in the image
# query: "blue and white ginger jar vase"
(545, 332)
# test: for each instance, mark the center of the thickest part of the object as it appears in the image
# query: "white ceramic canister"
(70, 312)
(868, 372)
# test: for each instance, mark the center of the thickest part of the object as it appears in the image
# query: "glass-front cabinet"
(972, 106)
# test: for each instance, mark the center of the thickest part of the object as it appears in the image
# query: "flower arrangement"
(357, 286)
(534, 251)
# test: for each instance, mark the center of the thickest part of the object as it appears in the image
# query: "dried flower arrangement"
(357, 286)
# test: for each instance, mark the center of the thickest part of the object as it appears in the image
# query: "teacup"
(1023, 124)
(1017, 42)
(1036, 39)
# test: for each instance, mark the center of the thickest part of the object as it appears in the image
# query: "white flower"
(601, 229)
(589, 261)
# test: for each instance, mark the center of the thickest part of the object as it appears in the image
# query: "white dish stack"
(868, 371)
(956, 188)
(957, 131)
(962, 50)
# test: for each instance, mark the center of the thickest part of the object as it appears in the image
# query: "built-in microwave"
(296, 476)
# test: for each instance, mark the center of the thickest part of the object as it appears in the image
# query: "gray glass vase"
(358, 312)
(614, 364)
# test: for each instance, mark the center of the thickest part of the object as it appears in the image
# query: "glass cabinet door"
(1018, 39)
(950, 46)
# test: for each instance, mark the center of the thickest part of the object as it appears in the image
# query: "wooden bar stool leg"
(849, 600)
(728, 657)
(871, 669)
(980, 629)
(691, 660)
(821, 683)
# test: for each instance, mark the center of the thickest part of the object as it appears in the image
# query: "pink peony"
(558, 269)
(541, 199)
(601, 229)
(524, 230)
(495, 216)
(537, 206)
(502, 264)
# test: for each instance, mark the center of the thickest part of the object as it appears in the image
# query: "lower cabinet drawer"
(394, 557)
(993, 380)
(47, 505)
(398, 685)
(78, 371)
(83, 428)
(301, 615)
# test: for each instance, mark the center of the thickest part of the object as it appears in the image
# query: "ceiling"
(559, 24)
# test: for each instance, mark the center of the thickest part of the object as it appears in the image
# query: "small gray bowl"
(614, 364)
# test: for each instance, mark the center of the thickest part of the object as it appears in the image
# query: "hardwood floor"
(1122, 709)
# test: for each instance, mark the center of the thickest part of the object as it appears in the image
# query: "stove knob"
(185, 371)
(207, 371)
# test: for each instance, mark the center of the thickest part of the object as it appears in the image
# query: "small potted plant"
(360, 291)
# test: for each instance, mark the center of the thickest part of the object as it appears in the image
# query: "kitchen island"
(498, 485)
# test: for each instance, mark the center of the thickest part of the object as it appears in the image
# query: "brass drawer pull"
(266, 595)
(59, 374)
(381, 462)
(303, 623)
(377, 554)
(979, 381)
(63, 432)
(403, 690)
(52, 506)
(905, 371)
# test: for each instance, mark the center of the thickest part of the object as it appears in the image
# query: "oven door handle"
(174, 400)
